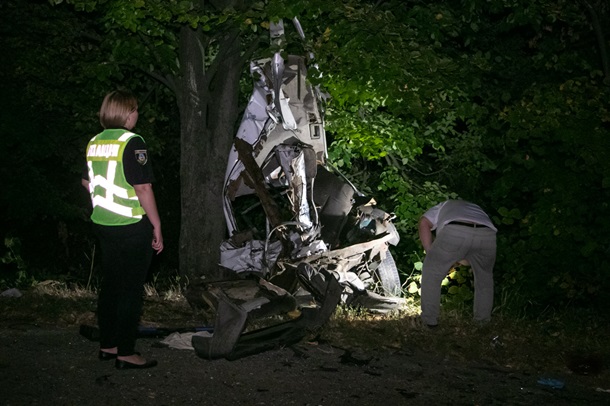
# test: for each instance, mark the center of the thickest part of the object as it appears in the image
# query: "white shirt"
(457, 210)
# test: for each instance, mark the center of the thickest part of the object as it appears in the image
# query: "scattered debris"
(497, 342)
(348, 358)
(183, 341)
(602, 390)
(13, 292)
(553, 383)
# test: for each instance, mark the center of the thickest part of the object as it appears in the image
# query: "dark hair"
(116, 107)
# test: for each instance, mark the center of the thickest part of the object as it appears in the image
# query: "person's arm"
(425, 233)
(85, 177)
(146, 196)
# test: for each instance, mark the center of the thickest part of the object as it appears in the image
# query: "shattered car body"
(332, 226)
(319, 234)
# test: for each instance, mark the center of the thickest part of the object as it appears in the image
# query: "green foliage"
(500, 102)
(497, 103)
(459, 286)
(14, 269)
(555, 147)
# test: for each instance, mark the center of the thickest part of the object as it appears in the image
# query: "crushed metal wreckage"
(301, 232)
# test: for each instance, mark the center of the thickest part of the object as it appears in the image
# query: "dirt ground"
(41, 364)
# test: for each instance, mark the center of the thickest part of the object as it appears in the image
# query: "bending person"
(465, 234)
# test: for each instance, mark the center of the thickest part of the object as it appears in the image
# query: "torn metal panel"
(253, 256)
(228, 327)
(255, 295)
(229, 341)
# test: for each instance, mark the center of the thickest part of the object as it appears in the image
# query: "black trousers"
(126, 257)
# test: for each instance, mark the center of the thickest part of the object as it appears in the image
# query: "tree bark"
(208, 111)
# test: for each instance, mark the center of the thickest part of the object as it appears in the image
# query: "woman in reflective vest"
(119, 178)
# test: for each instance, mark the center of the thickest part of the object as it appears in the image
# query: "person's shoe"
(120, 364)
(429, 325)
(106, 356)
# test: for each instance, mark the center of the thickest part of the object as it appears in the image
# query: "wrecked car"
(313, 214)
(297, 226)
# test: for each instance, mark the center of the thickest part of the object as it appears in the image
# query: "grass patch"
(556, 343)
(56, 303)
(568, 343)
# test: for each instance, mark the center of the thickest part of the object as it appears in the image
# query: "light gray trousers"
(452, 244)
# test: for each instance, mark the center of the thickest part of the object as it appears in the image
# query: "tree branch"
(167, 80)
(224, 47)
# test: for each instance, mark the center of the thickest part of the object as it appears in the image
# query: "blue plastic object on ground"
(553, 383)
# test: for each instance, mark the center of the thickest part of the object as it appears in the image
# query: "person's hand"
(157, 242)
(463, 262)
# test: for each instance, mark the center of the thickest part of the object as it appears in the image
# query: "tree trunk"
(208, 112)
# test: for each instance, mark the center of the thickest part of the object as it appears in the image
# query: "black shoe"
(120, 364)
(105, 356)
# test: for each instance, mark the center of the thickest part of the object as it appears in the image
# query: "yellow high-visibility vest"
(115, 202)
